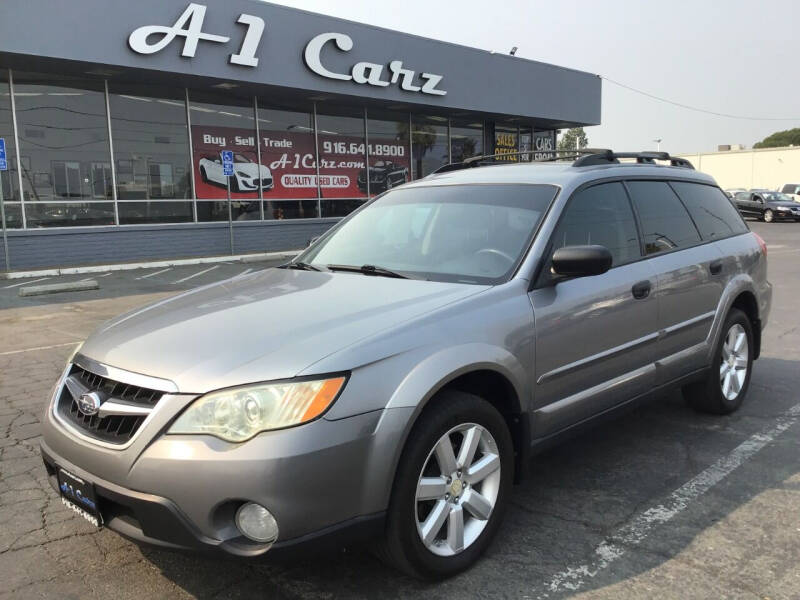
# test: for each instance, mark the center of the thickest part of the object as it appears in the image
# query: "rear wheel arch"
(746, 302)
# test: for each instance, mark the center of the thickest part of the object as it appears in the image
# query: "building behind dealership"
(766, 168)
(116, 127)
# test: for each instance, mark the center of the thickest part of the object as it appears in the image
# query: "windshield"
(241, 159)
(776, 197)
(463, 233)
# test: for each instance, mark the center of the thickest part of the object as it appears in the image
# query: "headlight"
(783, 208)
(237, 414)
(242, 174)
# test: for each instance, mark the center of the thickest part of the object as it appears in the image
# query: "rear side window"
(665, 223)
(711, 210)
(600, 215)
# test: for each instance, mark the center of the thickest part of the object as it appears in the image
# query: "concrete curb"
(244, 258)
(55, 288)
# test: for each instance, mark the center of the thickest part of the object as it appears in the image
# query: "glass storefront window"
(429, 146)
(389, 152)
(286, 135)
(466, 139)
(9, 178)
(151, 153)
(226, 124)
(544, 145)
(342, 153)
(526, 143)
(64, 150)
(506, 141)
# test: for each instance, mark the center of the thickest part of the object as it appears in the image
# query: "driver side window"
(600, 215)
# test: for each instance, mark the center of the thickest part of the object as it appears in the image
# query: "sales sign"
(3, 162)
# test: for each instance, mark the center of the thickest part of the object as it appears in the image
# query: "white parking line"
(635, 531)
(156, 273)
(25, 283)
(38, 348)
(195, 275)
(244, 272)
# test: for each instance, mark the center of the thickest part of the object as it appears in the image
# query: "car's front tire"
(769, 216)
(728, 380)
(451, 487)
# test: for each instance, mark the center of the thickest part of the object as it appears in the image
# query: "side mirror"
(580, 261)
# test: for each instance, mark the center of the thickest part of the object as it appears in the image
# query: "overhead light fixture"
(225, 85)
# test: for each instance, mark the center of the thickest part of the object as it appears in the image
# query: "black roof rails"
(605, 157)
(584, 157)
(487, 159)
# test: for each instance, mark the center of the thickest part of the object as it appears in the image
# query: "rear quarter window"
(665, 223)
(711, 210)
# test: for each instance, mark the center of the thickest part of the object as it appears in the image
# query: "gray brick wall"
(40, 248)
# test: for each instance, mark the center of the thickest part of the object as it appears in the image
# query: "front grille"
(266, 181)
(113, 429)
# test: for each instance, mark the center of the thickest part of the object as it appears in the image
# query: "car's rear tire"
(203, 175)
(725, 387)
(769, 216)
(438, 523)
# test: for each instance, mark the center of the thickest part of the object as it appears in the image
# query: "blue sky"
(733, 56)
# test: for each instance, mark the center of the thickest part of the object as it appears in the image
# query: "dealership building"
(121, 121)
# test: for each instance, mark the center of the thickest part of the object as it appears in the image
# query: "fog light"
(256, 523)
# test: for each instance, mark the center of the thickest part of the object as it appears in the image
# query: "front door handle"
(715, 266)
(641, 290)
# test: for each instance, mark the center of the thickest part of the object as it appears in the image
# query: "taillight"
(761, 243)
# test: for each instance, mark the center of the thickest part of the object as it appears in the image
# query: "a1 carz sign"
(150, 39)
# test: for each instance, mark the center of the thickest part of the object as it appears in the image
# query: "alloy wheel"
(734, 360)
(457, 489)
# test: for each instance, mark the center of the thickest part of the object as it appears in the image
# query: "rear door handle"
(641, 290)
(715, 266)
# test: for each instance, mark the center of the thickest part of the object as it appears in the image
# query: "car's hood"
(267, 325)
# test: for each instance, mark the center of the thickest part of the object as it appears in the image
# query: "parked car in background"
(393, 379)
(383, 175)
(767, 206)
(731, 192)
(792, 190)
(247, 175)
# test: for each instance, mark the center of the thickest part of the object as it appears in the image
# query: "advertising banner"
(287, 170)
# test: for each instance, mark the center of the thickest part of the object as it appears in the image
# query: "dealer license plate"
(78, 494)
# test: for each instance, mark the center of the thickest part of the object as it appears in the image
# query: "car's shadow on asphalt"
(576, 495)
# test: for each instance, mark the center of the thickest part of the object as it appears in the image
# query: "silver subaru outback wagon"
(391, 382)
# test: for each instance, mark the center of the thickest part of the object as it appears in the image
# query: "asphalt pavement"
(661, 503)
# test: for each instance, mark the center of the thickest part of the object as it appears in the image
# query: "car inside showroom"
(116, 129)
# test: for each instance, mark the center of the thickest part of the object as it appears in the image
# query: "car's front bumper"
(182, 491)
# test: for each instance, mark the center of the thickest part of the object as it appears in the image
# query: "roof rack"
(604, 157)
(582, 158)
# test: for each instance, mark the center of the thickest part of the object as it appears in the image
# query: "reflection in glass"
(63, 136)
(287, 149)
(389, 154)
(229, 126)
(466, 139)
(429, 144)
(342, 153)
(340, 208)
(13, 213)
(9, 179)
(69, 214)
(151, 149)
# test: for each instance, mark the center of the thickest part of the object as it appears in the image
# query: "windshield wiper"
(369, 270)
(301, 266)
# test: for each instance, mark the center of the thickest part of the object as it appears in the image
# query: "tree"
(790, 137)
(567, 141)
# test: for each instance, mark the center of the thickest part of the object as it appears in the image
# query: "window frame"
(541, 276)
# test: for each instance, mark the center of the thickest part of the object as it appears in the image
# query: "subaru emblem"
(89, 403)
